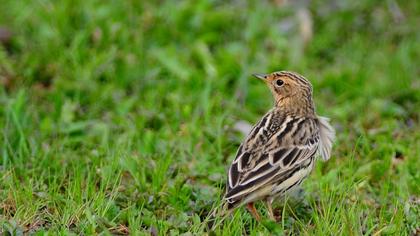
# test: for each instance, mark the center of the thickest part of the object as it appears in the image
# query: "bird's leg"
(251, 208)
(268, 203)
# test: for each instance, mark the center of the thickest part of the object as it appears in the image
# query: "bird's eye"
(279, 82)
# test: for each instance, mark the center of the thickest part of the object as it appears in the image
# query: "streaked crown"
(291, 91)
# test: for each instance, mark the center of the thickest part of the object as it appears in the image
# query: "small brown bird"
(280, 151)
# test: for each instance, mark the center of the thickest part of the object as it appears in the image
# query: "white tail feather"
(327, 137)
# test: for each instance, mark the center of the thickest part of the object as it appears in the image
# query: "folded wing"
(275, 148)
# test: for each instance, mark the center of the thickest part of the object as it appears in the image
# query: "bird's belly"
(291, 182)
(258, 194)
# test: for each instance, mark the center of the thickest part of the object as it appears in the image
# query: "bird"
(281, 149)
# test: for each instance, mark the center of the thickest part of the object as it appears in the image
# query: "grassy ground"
(118, 116)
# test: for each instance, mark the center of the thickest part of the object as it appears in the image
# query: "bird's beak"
(261, 76)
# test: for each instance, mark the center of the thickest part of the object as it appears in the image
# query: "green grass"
(118, 116)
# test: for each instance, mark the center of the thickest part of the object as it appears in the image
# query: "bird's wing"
(275, 148)
(327, 136)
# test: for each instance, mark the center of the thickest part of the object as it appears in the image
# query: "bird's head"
(291, 91)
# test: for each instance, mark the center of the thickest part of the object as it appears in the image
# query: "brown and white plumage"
(280, 150)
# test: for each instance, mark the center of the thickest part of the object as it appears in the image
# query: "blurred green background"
(121, 117)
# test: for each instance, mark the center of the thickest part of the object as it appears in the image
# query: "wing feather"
(275, 147)
(327, 136)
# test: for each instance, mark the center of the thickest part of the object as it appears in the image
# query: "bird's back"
(276, 155)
